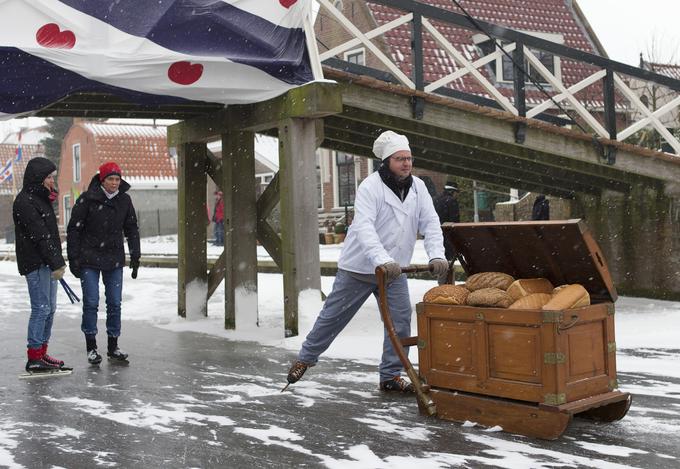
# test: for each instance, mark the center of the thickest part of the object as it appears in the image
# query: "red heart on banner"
(52, 37)
(185, 73)
(287, 3)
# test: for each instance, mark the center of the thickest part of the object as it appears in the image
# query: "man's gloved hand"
(59, 273)
(392, 271)
(74, 267)
(134, 265)
(439, 267)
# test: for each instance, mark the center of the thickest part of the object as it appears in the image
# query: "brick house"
(560, 21)
(142, 153)
(30, 148)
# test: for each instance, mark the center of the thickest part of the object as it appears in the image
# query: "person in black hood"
(39, 258)
(541, 208)
(100, 218)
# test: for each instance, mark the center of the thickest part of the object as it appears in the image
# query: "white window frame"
(500, 78)
(361, 52)
(77, 161)
(336, 184)
(67, 211)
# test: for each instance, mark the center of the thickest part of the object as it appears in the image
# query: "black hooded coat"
(97, 227)
(35, 224)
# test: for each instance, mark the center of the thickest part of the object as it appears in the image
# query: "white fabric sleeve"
(366, 206)
(429, 226)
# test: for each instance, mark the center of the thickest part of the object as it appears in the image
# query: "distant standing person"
(448, 210)
(541, 209)
(101, 217)
(218, 219)
(38, 250)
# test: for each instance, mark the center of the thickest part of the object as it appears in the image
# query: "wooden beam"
(192, 254)
(216, 274)
(299, 217)
(240, 223)
(213, 166)
(313, 100)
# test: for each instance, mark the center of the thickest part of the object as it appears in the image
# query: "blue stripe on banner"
(29, 83)
(212, 28)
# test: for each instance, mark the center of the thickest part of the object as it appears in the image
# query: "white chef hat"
(388, 143)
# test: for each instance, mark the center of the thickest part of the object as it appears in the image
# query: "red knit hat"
(109, 169)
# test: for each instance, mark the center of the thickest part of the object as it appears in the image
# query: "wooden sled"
(489, 409)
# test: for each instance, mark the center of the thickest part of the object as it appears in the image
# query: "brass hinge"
(554, 399)
(613, 384)
(611, 347)
(554, 358)
(479, 316)
(552, 316)
(422, 344)
(610, 309)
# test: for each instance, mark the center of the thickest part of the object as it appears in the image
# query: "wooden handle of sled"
(421, 394)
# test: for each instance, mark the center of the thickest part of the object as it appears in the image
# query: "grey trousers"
(348, 295)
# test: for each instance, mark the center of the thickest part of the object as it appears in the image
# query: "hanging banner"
(161, 52)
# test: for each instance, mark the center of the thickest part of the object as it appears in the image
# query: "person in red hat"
(100, 220)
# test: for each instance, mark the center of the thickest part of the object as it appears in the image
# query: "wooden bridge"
(628, 195)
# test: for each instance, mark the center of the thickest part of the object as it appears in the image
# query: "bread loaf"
(569, 296)
(532, 301)
(526, 286)
(494, 297)
(489, 280)
(447, 295)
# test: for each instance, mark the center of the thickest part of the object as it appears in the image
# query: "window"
(76, 162)
(346, 179)
(504, 69)
(548, 60)
(67, 209)
(356, 56)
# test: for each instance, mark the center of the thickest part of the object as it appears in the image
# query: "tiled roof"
(669, 70)
(544, 16)
(141, 150)
(8, 151)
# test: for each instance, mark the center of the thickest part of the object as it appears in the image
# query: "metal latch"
(554, 358)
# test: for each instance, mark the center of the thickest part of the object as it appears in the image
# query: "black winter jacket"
(94, 237)
(447, 208)
(35, 225)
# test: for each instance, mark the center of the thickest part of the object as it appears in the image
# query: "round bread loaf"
(568, 296)
(494, 297)
(489, 280)
(526, 286)
(532, 301)
(447, 295)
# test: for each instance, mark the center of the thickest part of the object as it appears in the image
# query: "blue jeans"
(42, 291)
(219, 233)
(113, 288)
(348, 295)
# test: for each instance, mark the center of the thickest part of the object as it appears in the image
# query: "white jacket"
(384, 228)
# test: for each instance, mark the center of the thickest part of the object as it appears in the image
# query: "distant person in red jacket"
(218, 219)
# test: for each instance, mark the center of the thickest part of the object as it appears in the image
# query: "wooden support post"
(192, 254)
(240, 228)
(299, 217)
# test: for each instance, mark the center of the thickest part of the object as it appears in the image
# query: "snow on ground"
(637, 319)
(644, 350)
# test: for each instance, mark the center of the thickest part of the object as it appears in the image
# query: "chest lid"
(562, 251)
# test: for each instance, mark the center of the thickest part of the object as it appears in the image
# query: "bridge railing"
(606, 98)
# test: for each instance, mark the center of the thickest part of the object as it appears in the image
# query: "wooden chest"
(549, 358)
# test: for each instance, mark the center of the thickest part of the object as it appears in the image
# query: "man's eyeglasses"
(403, 159)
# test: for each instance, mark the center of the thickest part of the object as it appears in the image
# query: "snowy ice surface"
(644, 350)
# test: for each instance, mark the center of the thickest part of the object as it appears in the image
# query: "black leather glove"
(392, 271)
(134, 265)
(74, 267)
